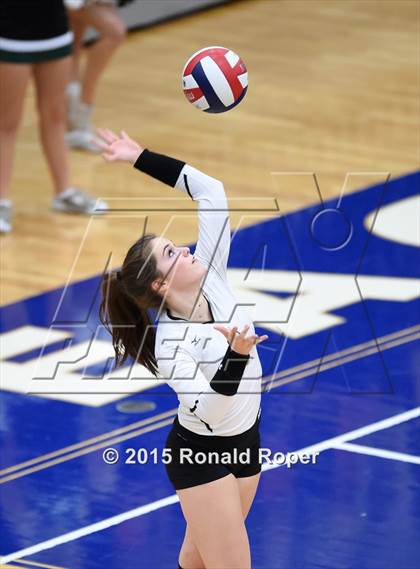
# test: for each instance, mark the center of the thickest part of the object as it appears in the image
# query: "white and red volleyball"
(215, 79)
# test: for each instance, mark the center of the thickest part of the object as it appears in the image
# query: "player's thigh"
(190, 555)
(51, 78)
(247, 490)
(14, 78)
(106, 20)
(79, 23)
(214, 514)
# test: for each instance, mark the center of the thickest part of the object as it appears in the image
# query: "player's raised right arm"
(214, 225)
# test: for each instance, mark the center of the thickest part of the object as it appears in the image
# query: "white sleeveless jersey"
(188, 354)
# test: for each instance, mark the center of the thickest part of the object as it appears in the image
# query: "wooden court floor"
(334, 89)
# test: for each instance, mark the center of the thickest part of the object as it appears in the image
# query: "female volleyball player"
(213, 368)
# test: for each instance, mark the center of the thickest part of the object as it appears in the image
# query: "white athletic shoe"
(73, 200)
(5, 218)
(80, 133)
(83, 140)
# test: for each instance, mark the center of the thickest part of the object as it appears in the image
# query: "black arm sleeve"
(163, 168)
(230, 372)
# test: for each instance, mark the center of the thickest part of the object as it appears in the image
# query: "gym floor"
(320, 165)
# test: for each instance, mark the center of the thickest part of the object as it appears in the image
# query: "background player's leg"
(78, 22)
(111, 29)
(13, 82)
(51, 78)
(214, 514)
(15, 77)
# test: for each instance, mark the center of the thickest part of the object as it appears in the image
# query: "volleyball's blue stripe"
(242, 95)
(216, 105)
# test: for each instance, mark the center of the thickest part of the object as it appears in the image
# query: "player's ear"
(159, 286)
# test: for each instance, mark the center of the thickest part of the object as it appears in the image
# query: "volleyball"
(215, 79)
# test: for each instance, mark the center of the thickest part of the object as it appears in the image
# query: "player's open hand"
(239, 341)
(117, 148)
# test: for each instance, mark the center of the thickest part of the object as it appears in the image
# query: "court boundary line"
(405, 336)
(379, 452)
(327, 444)
(24, 564)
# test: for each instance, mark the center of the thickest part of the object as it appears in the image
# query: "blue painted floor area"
(347, 510)
(402, 438)
(342, 508)
(342, 512)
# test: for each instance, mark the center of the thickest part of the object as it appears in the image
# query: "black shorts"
(34, 31)
(198, 459)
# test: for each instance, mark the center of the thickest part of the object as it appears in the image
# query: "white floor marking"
(87, 530)
(397, 221)
(173, 499)
(356, 434)
(379, 452)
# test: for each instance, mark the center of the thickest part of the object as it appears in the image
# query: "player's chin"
(188, 272)
(197, 268)
(196, 272)
(191, 264)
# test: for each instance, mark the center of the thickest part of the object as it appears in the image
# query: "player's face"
(178, 267)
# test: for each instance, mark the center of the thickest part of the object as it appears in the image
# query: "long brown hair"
(126, 297)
